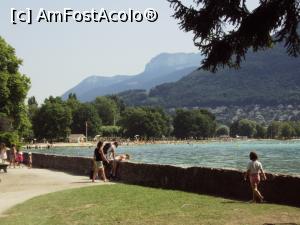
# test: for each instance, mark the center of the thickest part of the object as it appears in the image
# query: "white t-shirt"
(110, 151)
(254, 167)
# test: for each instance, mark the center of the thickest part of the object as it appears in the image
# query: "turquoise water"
(276, 156)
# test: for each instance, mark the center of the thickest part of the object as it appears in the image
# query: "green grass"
(126, 204)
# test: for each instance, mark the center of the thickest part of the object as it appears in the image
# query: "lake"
(276, 156)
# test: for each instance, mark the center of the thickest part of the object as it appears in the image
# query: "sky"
(57, 56)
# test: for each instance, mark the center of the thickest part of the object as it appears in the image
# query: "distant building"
(76, 138)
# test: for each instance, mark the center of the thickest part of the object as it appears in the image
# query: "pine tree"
(224, 30)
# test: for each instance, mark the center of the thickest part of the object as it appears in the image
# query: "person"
(254, 169)
(118, 158)
(109, 150)
(3, 153)
(19, 158)
(98, 162)
(29, 160)
(13, 156)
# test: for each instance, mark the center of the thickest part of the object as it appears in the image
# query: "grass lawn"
(127, 204)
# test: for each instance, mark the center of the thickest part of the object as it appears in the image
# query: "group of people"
(15, 157)
(105, 158)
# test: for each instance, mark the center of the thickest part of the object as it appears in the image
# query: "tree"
(273, 130)
(222, 130)
(146, 122)
(86, 114)
(52, 120)
(234, 129)
(32, 106)
(247, 128)
(107, 110)
(119, 102)
(296, 126)
(287, 131)
(13, 89)
(194, 123)
(182, 123)
(73, 103)
(261, 131)
(225, 30)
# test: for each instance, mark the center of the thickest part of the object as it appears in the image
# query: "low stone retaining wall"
(280, 189)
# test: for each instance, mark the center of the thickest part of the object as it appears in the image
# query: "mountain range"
(161, 69)
(266, 78)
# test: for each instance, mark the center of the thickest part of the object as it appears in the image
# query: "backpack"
(106, 147)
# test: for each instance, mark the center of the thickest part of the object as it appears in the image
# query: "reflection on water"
(276, 156)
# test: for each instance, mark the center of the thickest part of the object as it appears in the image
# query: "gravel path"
(21, 184)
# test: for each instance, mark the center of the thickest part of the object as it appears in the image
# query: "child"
(253, 172)
(19, 158)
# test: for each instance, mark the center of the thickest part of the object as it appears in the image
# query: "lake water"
(276, 156)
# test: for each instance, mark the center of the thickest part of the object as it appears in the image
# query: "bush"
(9, 138)
(110, 131)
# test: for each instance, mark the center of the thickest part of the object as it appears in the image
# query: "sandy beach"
(21, 184)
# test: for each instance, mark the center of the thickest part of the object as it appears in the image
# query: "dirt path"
(21, 184)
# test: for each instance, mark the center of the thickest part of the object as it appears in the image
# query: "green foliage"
(273, 130)
(222, 130)
(247, 128)
(9, 138)
(194, 123)
(13, 88)
(225, 30)
(287, 131)
(119, 102)
(261, 131)
(86, 114)
(52, 120)
(243, 127)
(107, 110)
(146, 122)
(110, 131)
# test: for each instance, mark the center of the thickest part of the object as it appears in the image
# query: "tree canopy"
(225, 30)
(13, 89)
(146, 122)
(52, 120)
(194, 123)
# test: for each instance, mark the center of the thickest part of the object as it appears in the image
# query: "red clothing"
(254, 178)
(19, 158)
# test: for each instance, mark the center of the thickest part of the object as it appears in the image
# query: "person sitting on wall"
(118, 158)
(98, 162)
(254, 169)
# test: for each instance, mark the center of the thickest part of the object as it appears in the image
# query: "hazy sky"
(57, 56)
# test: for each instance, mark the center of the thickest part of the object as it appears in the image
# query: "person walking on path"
(254, 169)
(13, 156)
(98, 162)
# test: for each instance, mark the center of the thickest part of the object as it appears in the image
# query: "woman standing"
(3, 154)
(13, 156)
(98, 162)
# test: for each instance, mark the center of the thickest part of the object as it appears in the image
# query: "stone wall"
(218, 182)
